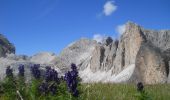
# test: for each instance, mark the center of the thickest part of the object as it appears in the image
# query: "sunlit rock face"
(43, 58)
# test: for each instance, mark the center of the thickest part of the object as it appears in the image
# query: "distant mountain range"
(139, 55)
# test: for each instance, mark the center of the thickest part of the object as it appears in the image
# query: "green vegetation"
(97, 91)
(101, 91)
(50, 87)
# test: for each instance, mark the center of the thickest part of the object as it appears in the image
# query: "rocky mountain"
(139, 55)
(5, 46)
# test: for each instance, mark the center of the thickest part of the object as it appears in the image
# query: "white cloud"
(109, 8)
(120, 29)
(99, 37)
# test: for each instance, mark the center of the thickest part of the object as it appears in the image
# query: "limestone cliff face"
(128, 47)
(103, 56)
(78, 52)
(150, 65)
(148, 50)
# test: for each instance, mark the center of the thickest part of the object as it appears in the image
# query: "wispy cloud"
(120, 29)
(46, 7)
(99, 37)
(109, 8)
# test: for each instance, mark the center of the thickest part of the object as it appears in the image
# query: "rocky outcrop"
(103, 55)
(128, 47)
(5, 46)
(43, 58)
(150, 65)
(78, 52)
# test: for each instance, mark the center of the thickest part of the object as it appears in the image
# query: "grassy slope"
(101, 91)
(123, 92)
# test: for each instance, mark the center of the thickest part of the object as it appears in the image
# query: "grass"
(98, 91)
(101, 91)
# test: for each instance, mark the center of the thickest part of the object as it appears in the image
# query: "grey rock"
(128, 47)
(17, 58)
(97, 59)
(5, 46)
(160, 39)
(150, 64)
(77, 52)
(43, 58)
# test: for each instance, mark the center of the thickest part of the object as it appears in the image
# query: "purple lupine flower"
(9, 72)
(35, 71)
(68, 80)
(55, 76)
(47, 74)
(43, 88)
(140, 86)
(71, 80)
(51, 75)
(73, 66)
(21, 70)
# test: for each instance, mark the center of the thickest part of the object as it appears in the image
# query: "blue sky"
(50, 25)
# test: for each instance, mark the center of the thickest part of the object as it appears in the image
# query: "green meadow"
(101, 91)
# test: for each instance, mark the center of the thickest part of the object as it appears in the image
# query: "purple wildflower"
(51, 75)
(71, 80)
(140, 86)
(35, 71)
(21, 70)
(9, 72)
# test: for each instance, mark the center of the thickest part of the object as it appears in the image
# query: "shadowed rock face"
(150, 64)
(5, 46)
(169, 74)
